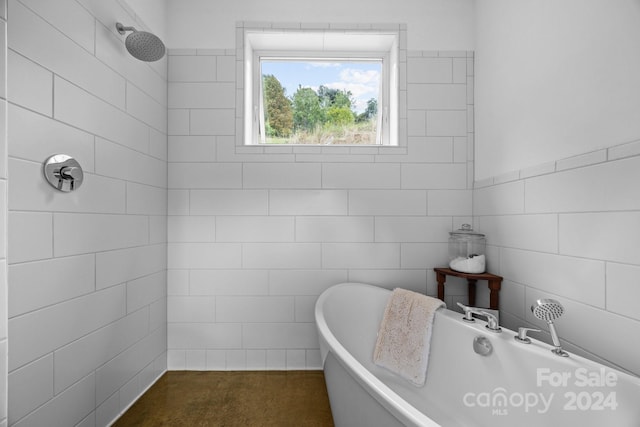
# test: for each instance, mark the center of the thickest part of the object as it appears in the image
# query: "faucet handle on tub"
(522, 335)
(468, 313)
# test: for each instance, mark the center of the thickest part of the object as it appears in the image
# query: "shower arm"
(122, 29)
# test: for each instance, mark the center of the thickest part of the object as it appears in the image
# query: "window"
(321, 87)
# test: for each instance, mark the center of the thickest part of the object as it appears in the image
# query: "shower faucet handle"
(522, 335)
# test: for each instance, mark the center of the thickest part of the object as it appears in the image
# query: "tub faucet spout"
(492, 321)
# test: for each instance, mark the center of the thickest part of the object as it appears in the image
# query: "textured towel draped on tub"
(404, 337)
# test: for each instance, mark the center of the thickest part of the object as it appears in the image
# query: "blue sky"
(361, 78)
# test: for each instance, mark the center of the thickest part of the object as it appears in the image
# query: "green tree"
(340, 116)
(279, 115)
(370, 112)
(307, 111)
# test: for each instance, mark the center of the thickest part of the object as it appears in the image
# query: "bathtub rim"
(384, 395)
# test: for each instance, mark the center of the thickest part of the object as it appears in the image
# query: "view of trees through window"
(320, 102)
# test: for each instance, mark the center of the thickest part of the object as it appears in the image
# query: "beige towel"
(405, 334)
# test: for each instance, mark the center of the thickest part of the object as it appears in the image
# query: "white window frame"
(321, 45)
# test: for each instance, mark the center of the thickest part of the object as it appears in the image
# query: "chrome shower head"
(142, 45)
(549, 310)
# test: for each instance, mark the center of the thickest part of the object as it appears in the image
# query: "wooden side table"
(494, 282)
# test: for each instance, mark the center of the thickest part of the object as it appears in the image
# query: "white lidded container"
(467, 250)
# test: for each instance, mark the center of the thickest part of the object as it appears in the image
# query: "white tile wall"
(564, 230)
(256, 235)
(87, 270)
(4, 369)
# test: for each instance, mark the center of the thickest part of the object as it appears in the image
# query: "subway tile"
(78, 108)
(226, 68)
(624, 150)
(119, 370)
(177, 202)
(146, 290)
(501, 199)
(460, 70)
(450, 202)
(227, 202)
(40, 332)
(447, 123)
(229, 282)
(512, 298)
(120, 162)
(205, 175)
(178, 121)
(250, 309)
(158, 143)
(334, 229)
(304, 282)
(192, 148)
(69, 18)
(424, 255)
(212, 122)
(146, 109)
(31, 386)
(296, 359)
(412, 229)
(360, 255)
(308, 202)
(281, 255)
(146, 199)
(416, 123)
(216, 360)
(356, 176)
(192, 68)
(387, 202)
(29, 191)
(529, 232)
(30, 236)
(436, 97)
(600, 236)
(157, 229)
(279, 336)
(281, 175)
(429, 70)
(122, 265)
(195, 360)
(32, 37)
(202, 95)
(193, 309)
(586, 159)
(204, 255)
(31, 85)
(304, 308)
(32, 129)
(602, 187)
(254, 229)
(623, 289)
(434, 176)
(68, 408)
(431, 149)
(191, 228)
(576, 278)
(82, 356)
(39, 284)
(213, 336)
(412, 279)
(83, 233)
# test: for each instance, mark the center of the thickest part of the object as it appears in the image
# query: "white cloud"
(363, 85)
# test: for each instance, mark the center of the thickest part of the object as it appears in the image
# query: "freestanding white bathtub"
(516, 385)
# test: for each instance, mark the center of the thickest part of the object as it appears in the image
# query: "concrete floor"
(237, 398)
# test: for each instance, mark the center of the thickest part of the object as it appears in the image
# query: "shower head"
(142, 45)
(547, 309)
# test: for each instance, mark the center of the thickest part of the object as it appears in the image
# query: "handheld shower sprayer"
(549, 310)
